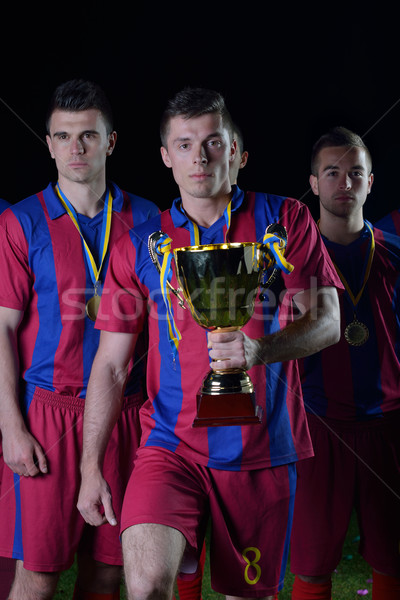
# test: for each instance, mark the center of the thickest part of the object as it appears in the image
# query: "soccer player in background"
(55, 253)
(350, 389)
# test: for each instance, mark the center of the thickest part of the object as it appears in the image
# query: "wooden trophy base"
(227, 409)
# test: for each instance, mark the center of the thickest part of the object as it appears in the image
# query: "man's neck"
(86, 198)
(341, 230)
(205, 211)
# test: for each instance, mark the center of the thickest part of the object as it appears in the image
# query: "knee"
(32, 584)
(149, 585)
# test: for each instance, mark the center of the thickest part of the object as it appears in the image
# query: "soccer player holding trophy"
(188, 273)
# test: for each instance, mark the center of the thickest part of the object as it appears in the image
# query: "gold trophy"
(219, 283)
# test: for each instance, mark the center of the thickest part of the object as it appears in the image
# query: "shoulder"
(276, 202)
(134, 201)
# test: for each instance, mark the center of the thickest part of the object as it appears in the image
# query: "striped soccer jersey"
(349, 382)
(390, 222)
(45, 275)
(172, 382)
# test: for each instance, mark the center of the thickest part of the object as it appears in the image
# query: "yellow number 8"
(252, 563)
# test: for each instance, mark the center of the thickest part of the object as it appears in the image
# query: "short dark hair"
(194, 102)
(338, 136)
(79, 94)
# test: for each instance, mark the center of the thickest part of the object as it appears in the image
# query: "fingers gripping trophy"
(219, 284)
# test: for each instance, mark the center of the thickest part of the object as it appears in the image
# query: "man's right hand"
(23, 453)
(95, 495)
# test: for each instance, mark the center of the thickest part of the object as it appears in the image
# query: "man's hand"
(233, 349)
(94, 496)
(23, 454)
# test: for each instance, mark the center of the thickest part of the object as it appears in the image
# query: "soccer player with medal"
(350, 389)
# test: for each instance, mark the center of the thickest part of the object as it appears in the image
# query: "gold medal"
(356, 333)
(92, 307)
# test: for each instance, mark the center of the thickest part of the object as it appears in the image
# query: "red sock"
(81, 595)
(190, 589)
(302, 590)
(385, 587)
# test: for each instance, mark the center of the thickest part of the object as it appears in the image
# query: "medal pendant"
(356, 333)
(92, 307)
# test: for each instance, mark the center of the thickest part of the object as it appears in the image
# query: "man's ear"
(314, 184)
(49, 144)
(370, 182)
(244, 159)
(165, 157)
(112, 139)
(233, 149)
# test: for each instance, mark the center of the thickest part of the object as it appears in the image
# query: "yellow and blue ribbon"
(163, 247)
(276, 247)
(367, 269)
(105, 233)
(195, 231)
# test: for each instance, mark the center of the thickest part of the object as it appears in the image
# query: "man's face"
(343, 181)
(199, 152)
(79, 143)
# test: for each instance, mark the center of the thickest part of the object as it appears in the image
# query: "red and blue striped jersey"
(172, 383)
(359, 382)
(390, 222)
(45, 275)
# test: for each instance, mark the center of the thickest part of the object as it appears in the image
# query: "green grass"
(352, 574)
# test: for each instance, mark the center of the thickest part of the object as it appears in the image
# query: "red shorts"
(250, 511)
(356, 466)
(39, 521)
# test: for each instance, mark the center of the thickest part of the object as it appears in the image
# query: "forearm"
(316, 328)
(10, 413)
(105, 395)
(299, 339)
(102, 409)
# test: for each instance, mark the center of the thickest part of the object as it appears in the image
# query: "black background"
(288, 72)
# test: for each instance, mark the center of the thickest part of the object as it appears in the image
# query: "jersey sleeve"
(16, 276)
(123, 306)
(306, 252)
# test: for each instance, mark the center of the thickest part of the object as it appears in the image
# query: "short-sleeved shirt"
(348, 382)
(173, 382)
(390, 222)
(45, 275)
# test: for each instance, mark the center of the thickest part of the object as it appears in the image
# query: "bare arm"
(102, 409)
(317, 328)
(22, 453)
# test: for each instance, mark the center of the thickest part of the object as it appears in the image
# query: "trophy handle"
(152, 246)
(280, 231)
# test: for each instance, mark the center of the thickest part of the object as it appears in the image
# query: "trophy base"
(227, 409)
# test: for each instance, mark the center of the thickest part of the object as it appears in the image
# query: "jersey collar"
(56, 209)
(180, 218)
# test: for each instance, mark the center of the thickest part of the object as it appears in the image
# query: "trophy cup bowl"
(219, 283)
